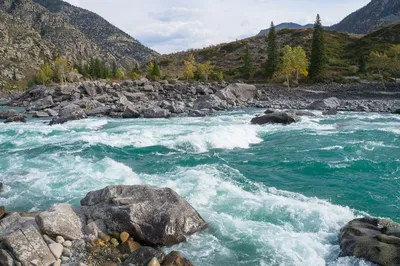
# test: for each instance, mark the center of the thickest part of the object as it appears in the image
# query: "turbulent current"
(272, 195)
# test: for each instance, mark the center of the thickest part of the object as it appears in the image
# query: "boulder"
(155, 112)
(130, 112)
(372, 239)
(326, 104)
(210, 102)
(89, 89)
(41, 104)
(99, 111)
(275, 118)
(175, 259)
(17, 118)
(60, 220)
(5, 258)
(56, 249)
(7, 113)
(51, 112)
(40, 114)
(137, 96)
(396, 109)
(74, 77)
(129, 247)
(65, 90)
(69, 113)
(27, 245)
(141, 82)
(151, 216)
(237, 92)
(96, 227)
(142, 256)
(148, 88)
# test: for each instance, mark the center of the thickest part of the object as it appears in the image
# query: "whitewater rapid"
(256, 216)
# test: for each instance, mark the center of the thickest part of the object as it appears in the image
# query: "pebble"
(124, 236)
(154, 262)
(65, 259)
(67, 244)
(67, 252)
(114, 242)
(57, 263)
(56, 249)
(104, 237)
(60, 239)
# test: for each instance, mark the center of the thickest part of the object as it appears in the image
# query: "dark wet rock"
(6, 259)
(330, 112)
(40, 114)
(99, 111)
(17, 118)
(142, 257)
(156, 112)
(396, 109)
(303, 113)
(175, 259)
(275, 118)
(270, 111)
(197, 113)
(130, 112)
(69, 113)
(151, 216)
(41, 104)
(375, 240)
(7, 113)
(326, 104)
(60, 220)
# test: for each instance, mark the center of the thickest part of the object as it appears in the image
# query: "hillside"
(34, 32)
(287, 25)
(343, 51)
(376, 14)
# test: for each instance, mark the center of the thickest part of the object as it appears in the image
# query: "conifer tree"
(247, 68)
(362, 65)
(272, 52)
(318, 56)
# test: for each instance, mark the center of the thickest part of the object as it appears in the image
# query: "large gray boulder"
(41, 104)
(60, 220)
(130, 112)
(26, 244)
(326, 104)
(5, 114)
(396, 109)
(237, 92)
(152, 216)
(375, 240)
(275, 118)
(99, 111)
(210, 102)
(156, 112)
(69, 113)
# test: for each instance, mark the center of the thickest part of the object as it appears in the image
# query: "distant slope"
(375, 15)
(287, 25)
(34, 32)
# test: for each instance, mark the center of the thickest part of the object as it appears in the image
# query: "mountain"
(287, 25)
(36, 31)
(375, 15)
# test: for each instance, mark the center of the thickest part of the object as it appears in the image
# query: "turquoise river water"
(272, 195)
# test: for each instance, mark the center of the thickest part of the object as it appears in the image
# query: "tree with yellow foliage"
(190, 67)
(205, 70)
(300, 62)
(379, 62)
(45, 75)
(287, 63)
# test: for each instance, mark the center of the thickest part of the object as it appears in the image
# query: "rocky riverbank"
(142, 98)
(117, 225)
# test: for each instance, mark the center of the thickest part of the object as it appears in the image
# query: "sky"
(175, 25)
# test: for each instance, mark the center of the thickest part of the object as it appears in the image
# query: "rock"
(210, 102)
(60, 220)
(27, 245)
(151, 216)
(57, 263)
(155, 112)
(96, 227)
(275, 118)
(141, 82)
(237, 92)
(104, 237)
(175, 259)
(89, 89)
(60, 239)
(7, 113)
(130, 112)
(41, 104)
(114, 242)
(124, 236)
(67, 252)
(129, 247)
(99, 111)
(148, 88)
(327, 104)
(67, 244)
(69, 113)
(5, 258)
(74, 77)
(65, 90)
(39, 114)
(375, 240)
(330, 112)
(135, 96)
(18, 118)
(2, 211)
(143, 256)
(197, 113)
(56, 249)
(51, 112)
(304, 113)
(48, 240)
(154, 262)
(396, 109)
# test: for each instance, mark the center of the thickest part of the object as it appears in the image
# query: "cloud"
(175, 25)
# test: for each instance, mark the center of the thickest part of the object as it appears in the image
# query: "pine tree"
(362, 65)
(156, 71)
(318, 56)
(272, 52)
(247, 68)
(114, 69)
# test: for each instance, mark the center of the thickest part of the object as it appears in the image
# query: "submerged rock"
(17, 118)
(7, 114)
(275, 118)
(151, 216)
(376, 240)
(330, 112)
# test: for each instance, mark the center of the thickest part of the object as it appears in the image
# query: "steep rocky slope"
(287, 25)
(33, 33)
(375, 15)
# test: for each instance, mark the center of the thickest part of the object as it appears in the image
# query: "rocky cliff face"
(33, 32)
(375, 15)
